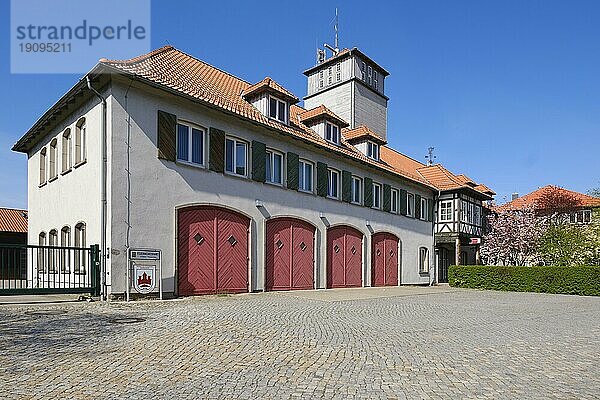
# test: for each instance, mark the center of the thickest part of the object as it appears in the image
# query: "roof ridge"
(139, 58)
(11, 208)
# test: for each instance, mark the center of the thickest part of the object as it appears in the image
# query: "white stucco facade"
(157, 188)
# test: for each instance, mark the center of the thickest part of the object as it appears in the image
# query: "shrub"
(584, 281)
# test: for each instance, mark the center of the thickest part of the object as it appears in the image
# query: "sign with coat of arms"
(144, 278)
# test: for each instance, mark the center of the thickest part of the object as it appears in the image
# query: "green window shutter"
(217, 150)
(346, 186)
(259, 154)
(368, 189)
(403, 200)
(417, 206)
(430, 203)
(292, 171)
(166, 136)
(322, 179)
(387, 197)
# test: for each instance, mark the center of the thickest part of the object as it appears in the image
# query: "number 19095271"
(49, 47)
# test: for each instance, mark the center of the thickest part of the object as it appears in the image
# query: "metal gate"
(212, 251)
(384, 259)
(290, 254)
(31, 269)
(344, 257)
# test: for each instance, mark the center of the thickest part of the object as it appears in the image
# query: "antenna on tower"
(337, 26)
(430, 156)
(335, 49)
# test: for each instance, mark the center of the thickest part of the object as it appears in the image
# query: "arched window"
(43, 166)
(66, 150)
(423, 260)
(65, 255)
(41, 252)
(52, 163)
(52, 241)
(80, 255)
(80, 141)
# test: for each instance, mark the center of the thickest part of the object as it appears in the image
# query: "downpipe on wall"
(102, 190)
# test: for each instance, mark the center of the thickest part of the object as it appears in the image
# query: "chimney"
(514, 196)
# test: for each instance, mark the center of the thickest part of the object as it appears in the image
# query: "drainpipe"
(104, 254)
(436, 266)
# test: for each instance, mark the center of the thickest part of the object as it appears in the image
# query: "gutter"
(104, 254)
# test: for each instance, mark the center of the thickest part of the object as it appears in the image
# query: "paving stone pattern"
(438, 344)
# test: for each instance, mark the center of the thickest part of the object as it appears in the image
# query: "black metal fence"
(30, 269)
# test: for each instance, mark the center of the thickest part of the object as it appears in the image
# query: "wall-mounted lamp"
(369, 227)
(259, 203)
(324, 219)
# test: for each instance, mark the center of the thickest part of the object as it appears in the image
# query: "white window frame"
(67, 157)
(80, 142)
(446, 209)
(376, 189)
(423, 260)
(236, 141)
(52, 158)
(373, 150)
(355, 180)
(189, 161)
(333, 136)
(43, 156)
(424, 209)
(331, 173)
(410, 204)
(271, 154)
(280, 105)
(394, 197)
(302, 164)
(79, 238)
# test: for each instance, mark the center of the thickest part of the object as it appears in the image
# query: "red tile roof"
(443, 179)
(13, 220)
(269, 85)
(182, 74)
(532, 199)
(361, 133)
(321, 112)
(178, 71)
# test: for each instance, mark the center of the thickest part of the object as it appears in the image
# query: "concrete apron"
(365, 293)
(38, 299)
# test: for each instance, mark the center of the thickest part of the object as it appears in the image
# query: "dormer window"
(278, 109)
(373, 151)
(332, 133)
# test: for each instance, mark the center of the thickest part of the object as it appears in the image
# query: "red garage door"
(384, 259)
(212, 251)
(290, 254)
(344, 257)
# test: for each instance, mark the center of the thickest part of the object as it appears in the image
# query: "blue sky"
(508, 92)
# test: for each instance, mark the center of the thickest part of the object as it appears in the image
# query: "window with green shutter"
(387, 197)
(417, 206)
(346, 186)
(217, 150)
(403, 202)
(293, 171)
(166, 135)
(258, 161)
(431, 203)
(368, 189)
(321, 179)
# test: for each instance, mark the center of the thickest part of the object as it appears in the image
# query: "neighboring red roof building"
(13, 220)
(533, 199)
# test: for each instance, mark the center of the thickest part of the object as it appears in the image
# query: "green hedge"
(584, 281)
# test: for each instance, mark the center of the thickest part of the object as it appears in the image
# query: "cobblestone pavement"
(433, 344)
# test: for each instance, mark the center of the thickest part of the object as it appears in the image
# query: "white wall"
(158, 187)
